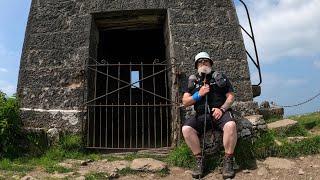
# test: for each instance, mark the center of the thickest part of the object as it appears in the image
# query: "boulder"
(264, 104)
(256, 119)
(282, 124)
(53, 136)
(272, 112)
(148, 165)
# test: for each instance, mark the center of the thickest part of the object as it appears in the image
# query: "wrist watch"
(223, 110)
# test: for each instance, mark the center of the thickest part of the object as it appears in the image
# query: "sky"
(287, 33)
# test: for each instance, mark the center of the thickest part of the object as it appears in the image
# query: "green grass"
(56, 168)
(163, 173)
(127, 171)
(71, 142)
(243, 153)
(296, 130)
(70, 147)
(48, 161)
(94, 176)
(181, 156)
(308, 121)
(248, 150)
(305, 147)
(8, 165)
(271, 119)
(265, 147)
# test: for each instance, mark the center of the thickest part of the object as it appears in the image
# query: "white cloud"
(7, 88)
(3, 70)
(272, 81)
(284, 28)
(316, 64)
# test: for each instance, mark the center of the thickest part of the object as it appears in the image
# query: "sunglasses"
(203, 61)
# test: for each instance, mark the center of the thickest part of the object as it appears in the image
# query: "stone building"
(82, 60)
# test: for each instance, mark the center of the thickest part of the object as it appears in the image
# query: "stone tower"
(80, 59)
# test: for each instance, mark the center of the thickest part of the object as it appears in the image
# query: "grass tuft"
(71, 142)
(127, 171)
(8, 165)
(296, 130)
(308, 121)
(181, 156)
(99, 175)
(56, 168)
(164, 172)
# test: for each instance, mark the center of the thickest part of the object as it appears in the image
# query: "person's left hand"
(217, 113)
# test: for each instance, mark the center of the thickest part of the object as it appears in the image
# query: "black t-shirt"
(216, 96)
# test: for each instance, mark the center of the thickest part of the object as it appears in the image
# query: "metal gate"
(129, 106)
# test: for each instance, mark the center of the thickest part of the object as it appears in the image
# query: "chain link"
(304, 102)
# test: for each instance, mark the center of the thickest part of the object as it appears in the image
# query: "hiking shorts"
(197, 122)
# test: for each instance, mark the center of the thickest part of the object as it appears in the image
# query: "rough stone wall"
(57, 48)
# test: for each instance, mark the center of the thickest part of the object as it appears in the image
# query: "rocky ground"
(307, 167)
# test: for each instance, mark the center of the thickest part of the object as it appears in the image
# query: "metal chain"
(304, 102)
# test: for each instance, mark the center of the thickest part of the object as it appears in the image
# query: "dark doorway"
(132, 107)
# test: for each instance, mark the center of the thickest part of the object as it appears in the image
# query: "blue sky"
(13, 20)
(287, 35)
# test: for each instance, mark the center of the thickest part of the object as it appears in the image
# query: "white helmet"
(201, 55)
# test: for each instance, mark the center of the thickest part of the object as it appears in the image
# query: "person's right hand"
(204, 90)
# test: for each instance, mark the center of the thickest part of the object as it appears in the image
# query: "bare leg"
(229, 137)
(191, 137)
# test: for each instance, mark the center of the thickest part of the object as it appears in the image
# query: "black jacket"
(217, 94)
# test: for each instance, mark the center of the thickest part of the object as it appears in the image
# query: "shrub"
(10, 124)
(181, 156)
(71, 142)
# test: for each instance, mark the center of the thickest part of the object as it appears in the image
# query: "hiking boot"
(199, 169)
(228, 171)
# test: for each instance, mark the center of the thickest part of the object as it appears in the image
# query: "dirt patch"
(298, 168)
(306, 167)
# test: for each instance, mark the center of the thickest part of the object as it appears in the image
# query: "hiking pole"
(205, 119)
(205, 125)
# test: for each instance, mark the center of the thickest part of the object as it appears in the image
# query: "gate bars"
(124, 115)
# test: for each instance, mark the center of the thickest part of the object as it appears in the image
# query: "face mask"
(204, 69)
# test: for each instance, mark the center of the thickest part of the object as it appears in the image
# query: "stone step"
(285, 123)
